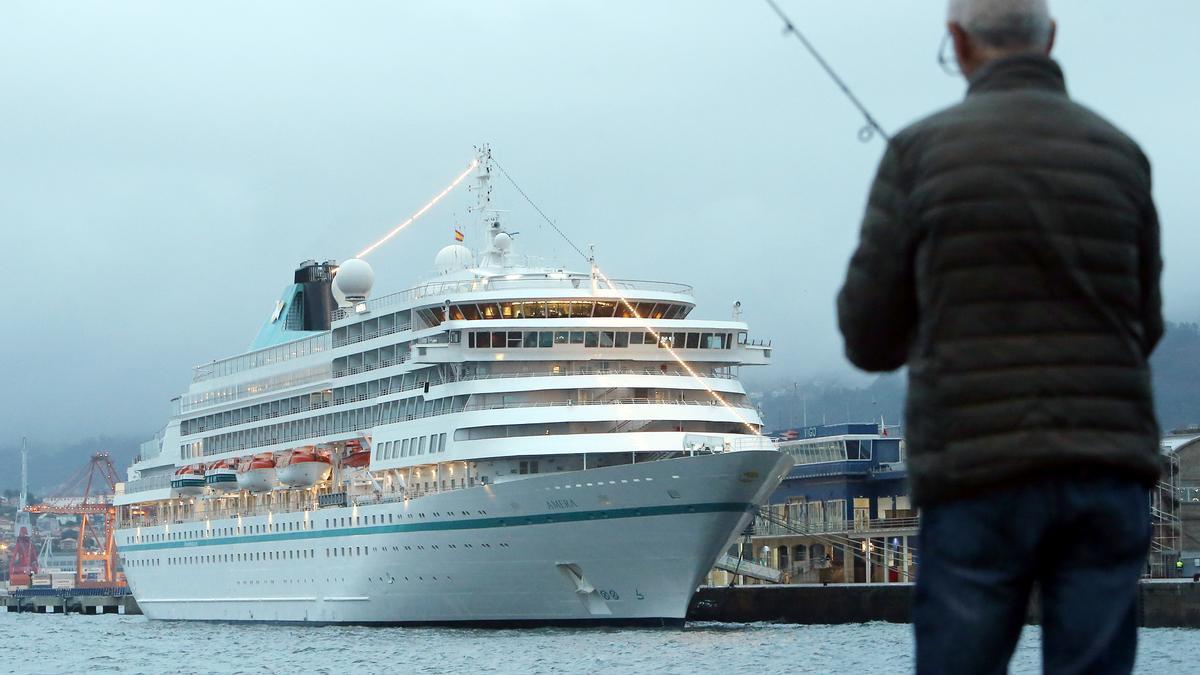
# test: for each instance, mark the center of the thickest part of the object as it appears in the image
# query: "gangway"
(749, 568)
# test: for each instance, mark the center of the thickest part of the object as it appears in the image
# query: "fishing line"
(871, 127)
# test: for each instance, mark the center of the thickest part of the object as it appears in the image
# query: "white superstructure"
(506, 442)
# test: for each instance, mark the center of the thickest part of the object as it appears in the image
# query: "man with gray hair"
(1009, 256)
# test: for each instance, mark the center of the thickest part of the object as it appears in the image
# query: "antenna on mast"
(592, 264)
(483, 193)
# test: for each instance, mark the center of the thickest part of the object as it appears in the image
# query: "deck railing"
(349, 427)
(775, 527)
(536, 282)
(590, 371)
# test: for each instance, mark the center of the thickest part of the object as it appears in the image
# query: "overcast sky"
(164, 166)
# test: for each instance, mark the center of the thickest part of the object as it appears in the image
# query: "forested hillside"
(1175, 365)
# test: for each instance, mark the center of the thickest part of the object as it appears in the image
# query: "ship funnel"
(315, 281)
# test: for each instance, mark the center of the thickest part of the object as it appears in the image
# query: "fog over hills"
(50, 465)
(784, 402)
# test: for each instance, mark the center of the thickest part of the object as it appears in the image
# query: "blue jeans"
(1082, 540)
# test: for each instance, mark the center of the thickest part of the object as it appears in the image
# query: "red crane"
(93, 503)
(22, 562)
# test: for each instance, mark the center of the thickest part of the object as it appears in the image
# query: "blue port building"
(843, 514)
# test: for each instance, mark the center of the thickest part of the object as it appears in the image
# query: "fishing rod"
(872, 127)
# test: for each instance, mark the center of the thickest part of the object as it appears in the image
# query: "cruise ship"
(507, 442)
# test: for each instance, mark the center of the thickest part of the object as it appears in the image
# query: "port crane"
(96, 502)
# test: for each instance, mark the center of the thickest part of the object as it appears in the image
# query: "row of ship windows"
(184, 535)
(292, 554)
(320, 425)
(293, 378)
(290, 526)
(828, 451)
(263, 357)
(562, 309)
(312, 401)
(415, 446)
(603, 339)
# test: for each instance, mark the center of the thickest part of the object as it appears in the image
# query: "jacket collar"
(1021, 71)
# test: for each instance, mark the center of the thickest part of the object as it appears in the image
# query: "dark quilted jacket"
(1010, 256)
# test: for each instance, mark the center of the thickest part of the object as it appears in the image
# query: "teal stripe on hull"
(474, 524)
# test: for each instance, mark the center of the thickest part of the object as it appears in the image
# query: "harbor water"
(73, 643)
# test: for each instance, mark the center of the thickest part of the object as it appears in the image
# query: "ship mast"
(483, 196)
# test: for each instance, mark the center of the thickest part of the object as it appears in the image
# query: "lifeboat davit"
(257, 474)
(303, 467)
(356, 455)
(188, 480)
(222, 476)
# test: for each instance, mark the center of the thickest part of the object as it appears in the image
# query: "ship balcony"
(644, 444)
(644, 383)
(732, 413)
(755, 354)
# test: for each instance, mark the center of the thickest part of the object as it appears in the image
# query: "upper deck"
(513, 295)
(519, 286)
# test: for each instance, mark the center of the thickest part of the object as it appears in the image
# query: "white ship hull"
(624, 544)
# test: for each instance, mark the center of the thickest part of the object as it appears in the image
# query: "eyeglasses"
(946, 58)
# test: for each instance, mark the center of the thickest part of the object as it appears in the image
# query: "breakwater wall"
(1161, 604)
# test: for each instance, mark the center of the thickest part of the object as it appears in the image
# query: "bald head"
(985, 30)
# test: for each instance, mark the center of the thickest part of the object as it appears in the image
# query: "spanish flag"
(458, 235)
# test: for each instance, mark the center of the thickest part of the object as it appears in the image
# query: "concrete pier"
(1161, 604)
(72, 601)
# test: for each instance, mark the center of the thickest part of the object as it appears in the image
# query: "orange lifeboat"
(356, 455)
(302, 467)
(189, 480)
(221, 475)
(257, 473)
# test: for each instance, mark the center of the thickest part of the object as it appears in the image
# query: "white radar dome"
(453, 257)
(338, 296)
(503, 241)
(353, 280)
